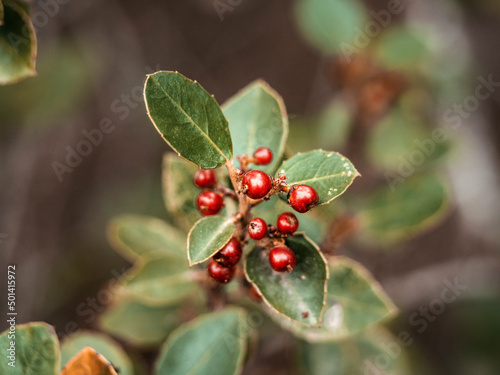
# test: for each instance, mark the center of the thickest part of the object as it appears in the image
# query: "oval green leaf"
(331, 26)
(17, 44)
(329, 173)
(213, 343)
(110, 349)
(159, 280)
(405, 208)
(257, 118)
(207, 237)
(356, 355)
(355, 301)
(36, 350)
(299, 295)
(139, 324)
(133, 236)
(188, 118)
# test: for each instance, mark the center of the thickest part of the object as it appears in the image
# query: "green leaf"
(36, 350)
(328, 172)
(110, 349)
(400, 142)
(359, 354)
(257, 118)
(401, 49)
(188, 118)
(139, 324)
(17, 44)
(331, 26)
(213, 343)
(416, 204)
(355, 301)
(179, 192)
(299, 295)
(159, 280)
(133, 236)
(207, 237)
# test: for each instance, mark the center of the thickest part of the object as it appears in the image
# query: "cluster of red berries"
(281, 257)
(256, 185)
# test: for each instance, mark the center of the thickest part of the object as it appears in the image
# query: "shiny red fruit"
(263, 156)
(230, 254)
(257, 228)
(209, 203)
(302, 198)
(287, 223)
(282, 259)
(219, 272)
(256, 184)
(204, 178)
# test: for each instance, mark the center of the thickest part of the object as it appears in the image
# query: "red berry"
(262, 156)
(204, 178)
(282, 259)
(209, 203)
(230, 254)
(256, 184)
(287, 223)
(257, 228)
(302, 198)
(219, 272)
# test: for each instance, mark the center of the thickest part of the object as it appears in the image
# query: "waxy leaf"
(105, 346)
(299, 295)
(331, 26)
(17, 43)
(213, 343)
(207, 237)
(133, 236)
(405, 208)
(139, 324)
(36, 350)
(179, 191)
(89, 362)
(355, 301)
(257, 118)
(188, 118)
(359, 354)
(159, 280)
(328, 172)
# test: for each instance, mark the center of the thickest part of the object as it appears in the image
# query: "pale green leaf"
(188, 118)
(207, 237)
(257, 118)
(36, 350)
(214, 343)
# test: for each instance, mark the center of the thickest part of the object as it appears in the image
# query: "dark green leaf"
(354, 302)
(133, 236)
(358, 355)
(257, 118)
(188, 118)
(299, 295)
(17, 44)
(214, 343)
(36, 350)
(416, 204)
(110, 349)
(139, 324)
(331, 26)
(328, 172)
(207, 237)
(159, 280)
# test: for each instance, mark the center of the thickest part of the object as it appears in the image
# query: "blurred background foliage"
(439, 223)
